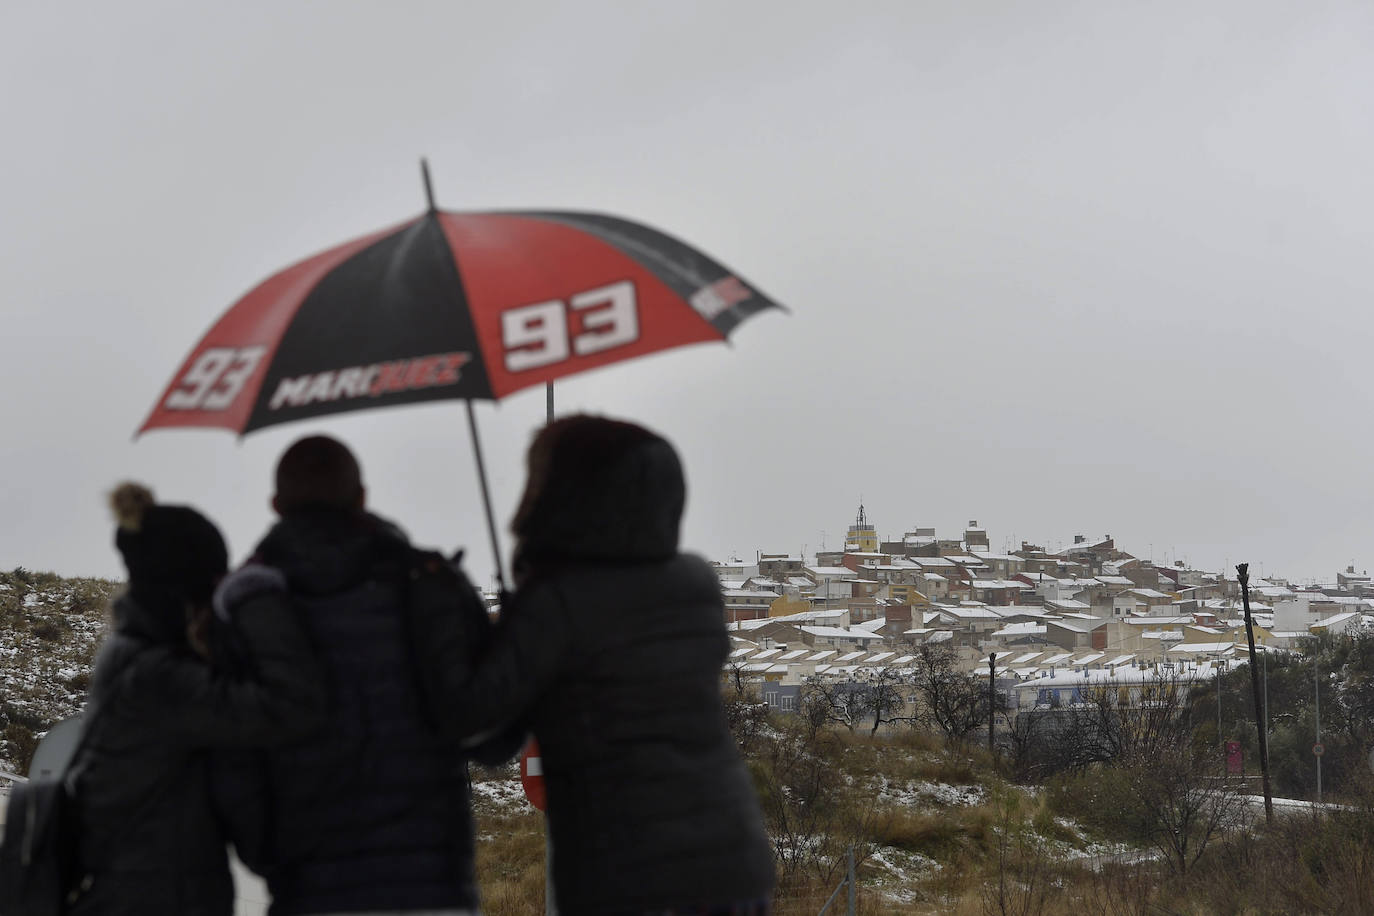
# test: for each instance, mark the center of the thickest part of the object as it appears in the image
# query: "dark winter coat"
(148, 833)
(371, 813)
(612, 651)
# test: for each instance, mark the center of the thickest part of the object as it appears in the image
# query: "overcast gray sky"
(1060, 267)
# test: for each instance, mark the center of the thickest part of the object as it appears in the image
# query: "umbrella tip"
(429, 187)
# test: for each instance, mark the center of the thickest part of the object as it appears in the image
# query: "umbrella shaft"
(486, 497)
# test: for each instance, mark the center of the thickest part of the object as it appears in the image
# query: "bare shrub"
(1022, 881)
(19, 743)
(809, 808)
(49, 630)
(1122, 890)
(1186, 802)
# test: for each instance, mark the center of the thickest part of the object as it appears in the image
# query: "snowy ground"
(923, 793)
(499, 793)
(902, 871)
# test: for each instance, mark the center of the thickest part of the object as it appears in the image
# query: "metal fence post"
(846, 883)
(850, 878)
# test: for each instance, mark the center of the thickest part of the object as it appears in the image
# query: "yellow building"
(787, 605)
(907, 594)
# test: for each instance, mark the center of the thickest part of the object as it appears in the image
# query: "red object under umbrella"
(451, 305)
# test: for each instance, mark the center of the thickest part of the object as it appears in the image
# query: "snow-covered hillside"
(49, 630)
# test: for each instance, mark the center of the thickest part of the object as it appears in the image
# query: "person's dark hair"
(318, 472)
(598, 490)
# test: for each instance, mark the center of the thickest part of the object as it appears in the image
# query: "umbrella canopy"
(451, 305)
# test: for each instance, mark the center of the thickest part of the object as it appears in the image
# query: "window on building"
(771, 698)
(789, 703)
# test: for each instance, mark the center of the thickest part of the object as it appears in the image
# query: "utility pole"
(1261, 713)
(992, 696)
(1317, 702)
(1220, 667)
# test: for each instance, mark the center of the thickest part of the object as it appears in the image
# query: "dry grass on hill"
(948, 835)
(50, 628)
(510, 843)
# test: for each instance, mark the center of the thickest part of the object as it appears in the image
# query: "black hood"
(324, 551)
(598, 490)
(152, 614)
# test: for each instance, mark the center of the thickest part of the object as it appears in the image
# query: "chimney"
(1079, 539)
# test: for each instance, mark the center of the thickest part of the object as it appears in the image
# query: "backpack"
(38, 860)
(38, 851)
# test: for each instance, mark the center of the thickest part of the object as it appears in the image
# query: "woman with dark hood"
(149, 842)
(611, 650)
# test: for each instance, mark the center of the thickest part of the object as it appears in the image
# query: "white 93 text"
(538, 335)
(214, 379)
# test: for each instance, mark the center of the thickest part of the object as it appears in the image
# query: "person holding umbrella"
(149, 841)
(611, 649)
(478, 306)
(371, 813)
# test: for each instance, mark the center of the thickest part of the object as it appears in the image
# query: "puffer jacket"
(372, 812)
(612, 649)
(148, 833)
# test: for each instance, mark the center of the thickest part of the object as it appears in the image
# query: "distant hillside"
(49, 630)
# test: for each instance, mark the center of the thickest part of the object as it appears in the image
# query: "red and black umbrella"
(451, 305)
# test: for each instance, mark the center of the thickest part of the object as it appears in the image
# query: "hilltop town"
(1050, 619)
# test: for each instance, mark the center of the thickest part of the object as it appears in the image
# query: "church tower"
(862, 537)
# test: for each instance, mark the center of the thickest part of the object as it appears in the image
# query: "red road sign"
(532, 775)
(1235, 760)
(1318, 749)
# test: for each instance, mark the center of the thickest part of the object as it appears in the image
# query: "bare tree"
(734, 674)
(831, 700)
(1128, 723)
(951, 702)
(888, 697)
(1043, 742)
(1139, 721)
(745, 715)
